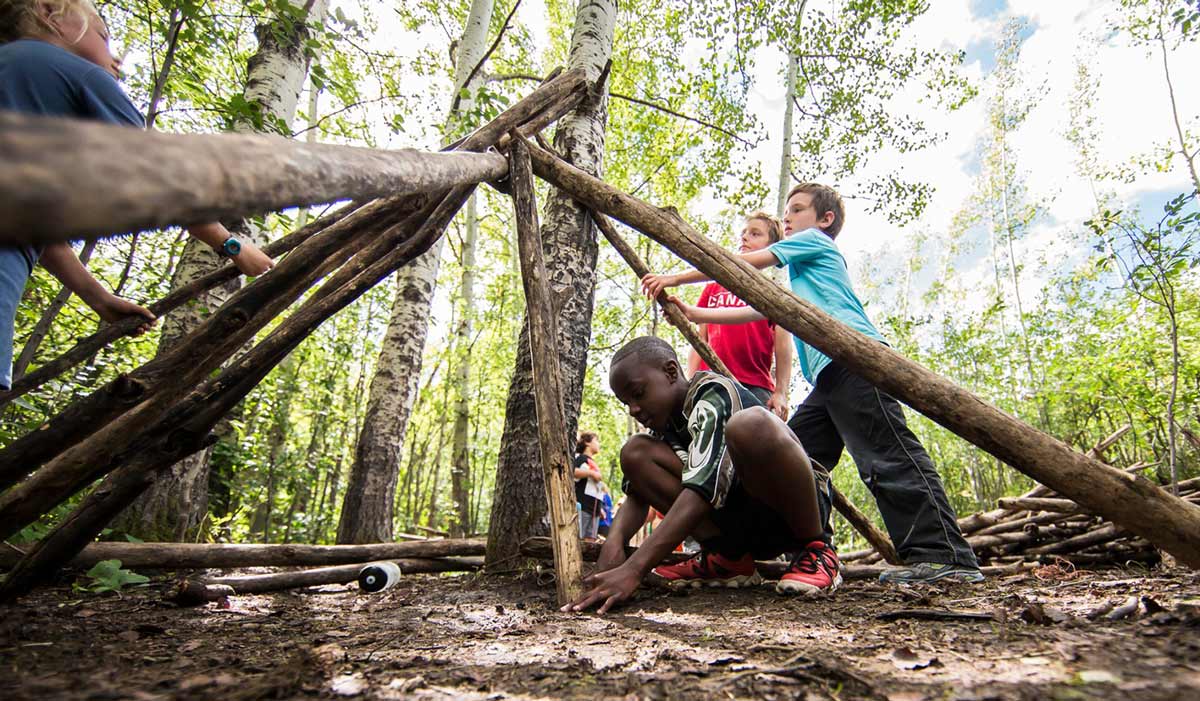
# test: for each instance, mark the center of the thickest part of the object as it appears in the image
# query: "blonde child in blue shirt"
(55, 61)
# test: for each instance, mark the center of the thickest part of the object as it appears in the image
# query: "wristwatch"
(230, 248)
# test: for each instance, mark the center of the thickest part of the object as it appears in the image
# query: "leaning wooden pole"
(87, 346)
(547, 381)
(877, 538)
(670, 310)
(66, 179)
(1128, 500)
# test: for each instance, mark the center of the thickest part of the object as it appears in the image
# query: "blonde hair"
(26, 19)
(774, 228)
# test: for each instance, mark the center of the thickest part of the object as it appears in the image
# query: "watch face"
(232, 246)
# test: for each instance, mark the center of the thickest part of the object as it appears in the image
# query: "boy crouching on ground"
(723, 469)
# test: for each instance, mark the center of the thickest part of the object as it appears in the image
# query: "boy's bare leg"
(775, 469)
(655, 473)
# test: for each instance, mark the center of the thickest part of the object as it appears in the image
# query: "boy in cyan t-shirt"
(844, 410)
(722, 469)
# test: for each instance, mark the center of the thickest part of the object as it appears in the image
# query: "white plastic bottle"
(378, 576)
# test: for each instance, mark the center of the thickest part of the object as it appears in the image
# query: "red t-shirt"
(747, 349)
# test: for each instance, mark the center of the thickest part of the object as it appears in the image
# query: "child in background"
(606, 512)
(722, 469)
(845, 411)
(55, 61)
(748, 349)
(588, 481)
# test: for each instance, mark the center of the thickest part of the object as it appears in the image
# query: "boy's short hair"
(650, 350)
(774, 228)
(824, 199)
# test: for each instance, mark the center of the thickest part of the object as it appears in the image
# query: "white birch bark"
(569, 246)
(367, 510)
(460, 456)
(785, 160)
(178, 501)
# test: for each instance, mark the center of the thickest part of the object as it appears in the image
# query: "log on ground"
(225, 556)
(193, 591)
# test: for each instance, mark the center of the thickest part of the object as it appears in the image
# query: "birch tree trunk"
(177, 503)
(460, 458)
(367, 511)
(785, 160)
(569, 246)
(789, 104)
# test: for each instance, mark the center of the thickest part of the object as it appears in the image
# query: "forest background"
(1020, 181)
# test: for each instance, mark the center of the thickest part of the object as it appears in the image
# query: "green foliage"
(107, 575)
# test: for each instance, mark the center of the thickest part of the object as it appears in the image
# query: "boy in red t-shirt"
(749, 349)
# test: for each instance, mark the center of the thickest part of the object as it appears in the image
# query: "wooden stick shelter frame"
(135, 427)
(1134, 502)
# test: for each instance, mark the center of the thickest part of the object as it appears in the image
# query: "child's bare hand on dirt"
(611, 587)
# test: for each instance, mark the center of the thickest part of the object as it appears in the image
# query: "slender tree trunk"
(568, 235)
(367, 512)
(789, 102)
(785, 160)
(1015, 275)
(178, 501)
(1189, 156)
(460, 460)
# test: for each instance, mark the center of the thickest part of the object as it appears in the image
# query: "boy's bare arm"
(628, 519)
(250, 261)
(61, 261)
(678, 523)
(717, 315)
(653, 284)
(783, 373)
(693, 363)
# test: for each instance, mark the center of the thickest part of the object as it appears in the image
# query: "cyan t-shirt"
(818, 275)
(41, 78)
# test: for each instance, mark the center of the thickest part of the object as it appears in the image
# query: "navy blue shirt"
(41, 78)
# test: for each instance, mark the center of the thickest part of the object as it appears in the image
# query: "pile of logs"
(1042, 527)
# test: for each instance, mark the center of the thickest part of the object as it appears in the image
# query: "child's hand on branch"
(689, 310)
(653, 285)
(252, 261)
(611, 587)
(113, 309)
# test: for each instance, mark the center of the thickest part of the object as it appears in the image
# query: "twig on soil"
(936, 615)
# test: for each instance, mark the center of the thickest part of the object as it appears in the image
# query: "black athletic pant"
(845, 410)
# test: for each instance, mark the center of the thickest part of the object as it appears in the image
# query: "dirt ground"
(475, 637)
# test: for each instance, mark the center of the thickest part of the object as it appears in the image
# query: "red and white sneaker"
(815, 571)
(710, 570)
